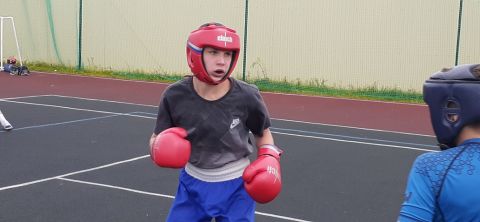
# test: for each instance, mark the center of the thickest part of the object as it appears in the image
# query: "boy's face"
(217, 62)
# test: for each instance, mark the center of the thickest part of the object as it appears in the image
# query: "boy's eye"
(228, 53)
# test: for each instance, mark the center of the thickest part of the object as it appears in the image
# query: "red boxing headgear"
(213, 35)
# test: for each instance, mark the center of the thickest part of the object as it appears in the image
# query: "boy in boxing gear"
(207, 117)
(443, 186)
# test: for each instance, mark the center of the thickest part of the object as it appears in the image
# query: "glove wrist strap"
(270, 149)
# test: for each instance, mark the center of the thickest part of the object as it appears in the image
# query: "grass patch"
(369, 93)
(313, 88)
(130, 75)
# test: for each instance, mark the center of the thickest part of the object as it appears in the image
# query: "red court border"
(408, 118)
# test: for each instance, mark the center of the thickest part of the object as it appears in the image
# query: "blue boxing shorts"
(200, 201)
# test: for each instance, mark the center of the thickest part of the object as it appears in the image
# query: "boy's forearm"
(267, 138)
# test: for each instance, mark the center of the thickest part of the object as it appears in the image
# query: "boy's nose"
(221, 60)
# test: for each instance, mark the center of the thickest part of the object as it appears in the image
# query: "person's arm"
(168, 144)
(419, 203)
(164, 119)
(266, 138)
(262, 178)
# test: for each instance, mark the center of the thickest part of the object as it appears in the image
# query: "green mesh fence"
(51, 25)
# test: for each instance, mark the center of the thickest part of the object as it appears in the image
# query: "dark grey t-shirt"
(218, 130)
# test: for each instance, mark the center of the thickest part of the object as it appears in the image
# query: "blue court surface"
(79, 159)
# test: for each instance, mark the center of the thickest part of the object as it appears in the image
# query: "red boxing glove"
(262, 179)
(170, 148)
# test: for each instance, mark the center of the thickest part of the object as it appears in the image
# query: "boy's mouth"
(219, 73)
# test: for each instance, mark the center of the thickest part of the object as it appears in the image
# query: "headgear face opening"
(453, 97)
(213, 35)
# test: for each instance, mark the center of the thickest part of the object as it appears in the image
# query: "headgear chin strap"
(213, 35)
(453, 97)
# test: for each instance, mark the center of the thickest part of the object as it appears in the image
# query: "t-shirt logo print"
(234, 123)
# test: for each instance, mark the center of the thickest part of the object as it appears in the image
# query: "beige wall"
(353, 43)
(148, 35)
(343, 43)
(470, 36)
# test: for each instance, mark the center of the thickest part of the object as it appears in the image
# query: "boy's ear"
(189, 58)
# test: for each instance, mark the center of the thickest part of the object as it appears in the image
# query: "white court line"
(281, 217)
(72, 173)
(141, 157)
(23, 97)
(65, 122)
(285, 120)
(168, 196)
(78, 109)
(279, 119)
(352, 127)
(62, 177)
(62, 123)
(126, 114)
(117, 187)
(358, 142)
(303, 132)
(103, 100)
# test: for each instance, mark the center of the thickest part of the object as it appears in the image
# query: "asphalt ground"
(79, 159)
